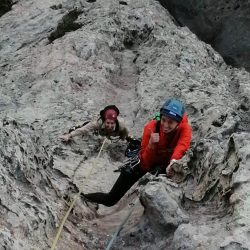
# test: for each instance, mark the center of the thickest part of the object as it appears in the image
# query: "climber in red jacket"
(163, 142)
(161, 148)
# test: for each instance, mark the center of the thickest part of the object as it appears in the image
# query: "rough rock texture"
(163, 206)
(61, 62)
(223, 24)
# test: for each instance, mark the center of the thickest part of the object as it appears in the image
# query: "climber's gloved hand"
(169, 169)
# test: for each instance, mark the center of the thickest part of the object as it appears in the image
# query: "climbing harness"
(114, 139)
(74, 200)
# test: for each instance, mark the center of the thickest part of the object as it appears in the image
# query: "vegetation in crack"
(67, 24)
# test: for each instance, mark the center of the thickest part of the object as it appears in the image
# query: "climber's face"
(168, 124)
(109, 124)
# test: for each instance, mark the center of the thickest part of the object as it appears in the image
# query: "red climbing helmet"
(110, 112)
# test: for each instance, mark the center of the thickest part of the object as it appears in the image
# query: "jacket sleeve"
(146, 153)
(91, 126)
(183, 143)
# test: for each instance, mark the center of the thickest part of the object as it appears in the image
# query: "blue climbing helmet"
(174, 109)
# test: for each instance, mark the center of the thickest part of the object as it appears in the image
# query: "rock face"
(163, 206)
(223, 24)
(61, 62)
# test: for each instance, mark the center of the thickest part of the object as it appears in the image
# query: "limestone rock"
(60, 63)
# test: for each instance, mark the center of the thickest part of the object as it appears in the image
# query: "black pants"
(124, 182)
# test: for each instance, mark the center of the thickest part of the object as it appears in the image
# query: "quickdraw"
(131, 165)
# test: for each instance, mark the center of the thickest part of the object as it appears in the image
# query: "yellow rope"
(74, 201)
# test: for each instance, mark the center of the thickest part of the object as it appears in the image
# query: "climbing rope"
(119, 228)
(74, 201)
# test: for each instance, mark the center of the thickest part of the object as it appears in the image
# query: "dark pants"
(124, 182)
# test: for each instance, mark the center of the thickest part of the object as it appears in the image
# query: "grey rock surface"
(60, 63)
(163, 206)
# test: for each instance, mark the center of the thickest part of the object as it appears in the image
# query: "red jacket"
(171, 146)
